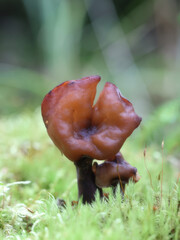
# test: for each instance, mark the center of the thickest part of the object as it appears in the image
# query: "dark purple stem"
(86, 180)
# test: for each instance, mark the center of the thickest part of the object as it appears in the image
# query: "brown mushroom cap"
(80, 129)
(118, 169)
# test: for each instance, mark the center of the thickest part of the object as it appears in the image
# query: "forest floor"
(34, 174)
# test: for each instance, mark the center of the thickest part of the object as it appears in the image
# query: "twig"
(162, 147)
(121, 185)
(147, 169)
(178, 178)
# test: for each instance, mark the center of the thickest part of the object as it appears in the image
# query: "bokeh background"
(132, 43)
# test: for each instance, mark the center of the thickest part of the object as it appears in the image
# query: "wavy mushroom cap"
(110, 171)
(80, 129)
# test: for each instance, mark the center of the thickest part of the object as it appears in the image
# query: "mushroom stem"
(86, 180)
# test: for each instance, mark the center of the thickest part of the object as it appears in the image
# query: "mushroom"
(112, 172)
(83, 131)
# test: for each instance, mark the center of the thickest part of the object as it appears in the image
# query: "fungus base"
(86, 180)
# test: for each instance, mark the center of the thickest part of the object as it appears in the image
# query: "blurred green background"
(132, 43)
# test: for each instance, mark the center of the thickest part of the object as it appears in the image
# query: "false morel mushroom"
(111, 172)
(83, 131)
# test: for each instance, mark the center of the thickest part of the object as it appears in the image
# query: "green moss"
(28, 210)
